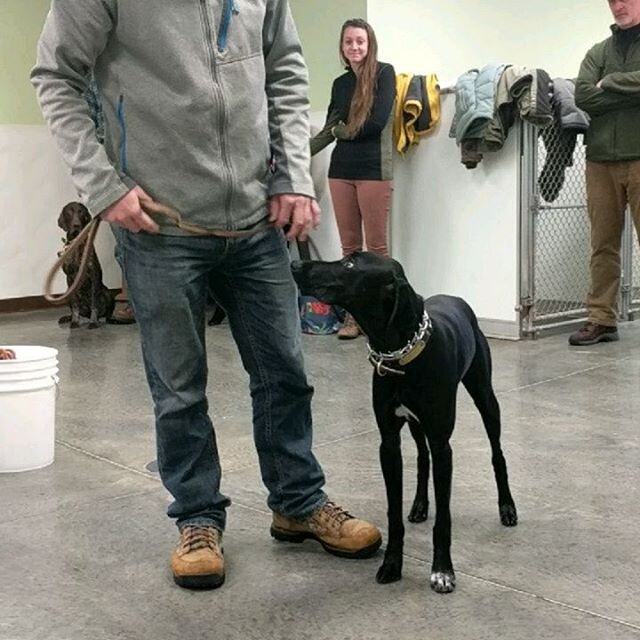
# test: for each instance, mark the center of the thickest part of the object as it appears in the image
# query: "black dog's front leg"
(443, 577)
(391, 462)
(389, 425)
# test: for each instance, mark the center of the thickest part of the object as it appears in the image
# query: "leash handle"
(153, 207)
(88, 234)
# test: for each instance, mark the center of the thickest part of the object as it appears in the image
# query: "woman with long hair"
(360, 119)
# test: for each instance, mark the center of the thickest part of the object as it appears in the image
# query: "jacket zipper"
(219, 97)
(123, 134)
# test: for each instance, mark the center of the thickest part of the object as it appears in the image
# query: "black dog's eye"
(348, 265)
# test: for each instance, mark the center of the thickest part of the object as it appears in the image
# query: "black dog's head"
(73, 218)
(373, 288)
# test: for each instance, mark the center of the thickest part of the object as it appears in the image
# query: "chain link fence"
(555, 235)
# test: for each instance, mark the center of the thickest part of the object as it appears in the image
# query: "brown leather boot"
(334, 528)
(198, 561)
(590, 333)
(349, 329)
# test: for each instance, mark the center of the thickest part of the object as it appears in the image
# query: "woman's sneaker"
(349, 329)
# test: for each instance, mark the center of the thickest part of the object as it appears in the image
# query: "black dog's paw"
(94, 325)
(419, 511)
(508, 515)
(74, 325)
(64, 320)
(443, 581)
(389, 571)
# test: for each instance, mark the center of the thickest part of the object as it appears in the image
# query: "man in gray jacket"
(205, 107)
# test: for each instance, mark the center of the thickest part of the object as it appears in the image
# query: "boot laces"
(193, 538)
(334, 515)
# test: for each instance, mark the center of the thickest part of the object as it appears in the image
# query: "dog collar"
(403, 356)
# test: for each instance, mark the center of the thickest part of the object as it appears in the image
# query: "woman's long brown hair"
(363, 96)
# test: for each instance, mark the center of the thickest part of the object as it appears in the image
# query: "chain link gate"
(555, 236)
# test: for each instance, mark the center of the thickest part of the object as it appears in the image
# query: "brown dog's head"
(73, 218)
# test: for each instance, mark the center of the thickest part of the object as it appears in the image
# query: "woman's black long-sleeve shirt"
(368, 156)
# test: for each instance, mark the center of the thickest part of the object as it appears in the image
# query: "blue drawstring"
(228, 9)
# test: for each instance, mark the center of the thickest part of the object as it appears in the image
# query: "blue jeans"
(169, 278)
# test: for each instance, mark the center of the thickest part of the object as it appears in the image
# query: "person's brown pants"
(359, 203)
(610, 187)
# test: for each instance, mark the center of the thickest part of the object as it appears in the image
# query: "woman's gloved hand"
(339, 131)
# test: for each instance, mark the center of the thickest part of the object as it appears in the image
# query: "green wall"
(319, 23)
(20, 25)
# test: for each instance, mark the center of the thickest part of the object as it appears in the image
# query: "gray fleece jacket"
(205, 103)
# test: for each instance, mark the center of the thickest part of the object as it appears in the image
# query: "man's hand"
(301, 212)
(128, 214)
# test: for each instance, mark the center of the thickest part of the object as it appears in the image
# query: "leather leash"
(88, 235)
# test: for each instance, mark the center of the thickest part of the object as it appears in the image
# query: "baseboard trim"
(30, 303)
(501, 329)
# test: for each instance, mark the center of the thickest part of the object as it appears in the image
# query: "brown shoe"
(198, 561)
(349, 329)
(123, 315)
(336, 530)
(591, 333)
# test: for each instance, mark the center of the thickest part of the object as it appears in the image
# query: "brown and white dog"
(92, 300)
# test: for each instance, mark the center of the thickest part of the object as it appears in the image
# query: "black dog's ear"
(397, 291)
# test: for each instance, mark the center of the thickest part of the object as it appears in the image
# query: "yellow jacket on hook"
(417, 108)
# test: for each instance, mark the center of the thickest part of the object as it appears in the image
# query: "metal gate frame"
(538, 316)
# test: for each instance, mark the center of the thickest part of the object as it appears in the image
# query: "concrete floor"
(84, 543)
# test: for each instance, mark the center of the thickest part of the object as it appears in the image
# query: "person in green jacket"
(608, 89)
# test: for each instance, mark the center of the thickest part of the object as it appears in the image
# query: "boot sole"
(298, 537)
(605, 337)
(200, 583)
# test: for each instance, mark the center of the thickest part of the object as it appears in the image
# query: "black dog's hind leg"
(391, 462)
(420, 508)
(477, 381)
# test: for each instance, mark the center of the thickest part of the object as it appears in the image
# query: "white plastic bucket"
(27, 408)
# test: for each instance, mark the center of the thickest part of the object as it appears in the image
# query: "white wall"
(34, 186)
(448, 38)
(454, 229)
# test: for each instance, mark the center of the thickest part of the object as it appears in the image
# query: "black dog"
(92, 300)
(421, 350)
